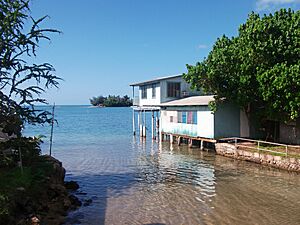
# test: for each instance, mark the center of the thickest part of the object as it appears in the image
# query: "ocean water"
(137, 181)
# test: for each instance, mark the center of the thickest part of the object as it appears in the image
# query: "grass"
(271, 150)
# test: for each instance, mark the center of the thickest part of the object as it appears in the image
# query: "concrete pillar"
(144, 131)
(201, 144)
(171, 139)
(139, 122)
(144, 128)
(157, 125)
(152, 126)
(133, 122)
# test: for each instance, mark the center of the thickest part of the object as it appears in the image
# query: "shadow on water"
(97, 188)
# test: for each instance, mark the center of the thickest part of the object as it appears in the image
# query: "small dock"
(179, 139)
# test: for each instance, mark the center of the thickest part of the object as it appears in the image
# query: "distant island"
(111, 101)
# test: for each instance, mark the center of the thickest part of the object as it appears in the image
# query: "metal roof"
(154, 80)
(191, 101)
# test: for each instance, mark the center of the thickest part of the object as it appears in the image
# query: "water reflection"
(188, 186)
(138, 181)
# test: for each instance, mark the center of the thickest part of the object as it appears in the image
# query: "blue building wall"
(227, 121)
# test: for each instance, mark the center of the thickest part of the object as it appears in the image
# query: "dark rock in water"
(71, 185)
(87, 202)
(75, 202)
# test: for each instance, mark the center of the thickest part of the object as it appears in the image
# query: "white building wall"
(149, 101)
(205, 124)
(203, 128)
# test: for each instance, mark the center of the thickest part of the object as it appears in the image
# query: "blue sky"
(108, 44)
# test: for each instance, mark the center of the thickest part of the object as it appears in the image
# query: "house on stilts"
(178, 111)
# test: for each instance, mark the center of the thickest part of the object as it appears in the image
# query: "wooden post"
(179, 140)
(51, 134)
(201, 144)
(190, 142)
(171, 139)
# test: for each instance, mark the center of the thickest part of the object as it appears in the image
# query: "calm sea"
(133, 181)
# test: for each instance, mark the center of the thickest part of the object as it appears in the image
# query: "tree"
(22, 83)
(111, 101)
(259, 70)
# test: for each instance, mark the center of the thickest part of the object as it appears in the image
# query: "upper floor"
(161, 90)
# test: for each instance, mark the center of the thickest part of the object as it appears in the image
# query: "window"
(195, 117)
(144, 92)
(188, 117)
(183, 117)
(179, 117)
(173, 89)
(171, 119)
(153, 90)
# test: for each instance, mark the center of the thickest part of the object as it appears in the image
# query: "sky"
(107, 44)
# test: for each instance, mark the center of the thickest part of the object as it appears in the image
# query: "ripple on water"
(142, 182)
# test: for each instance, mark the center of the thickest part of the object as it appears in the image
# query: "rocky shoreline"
(51, 205)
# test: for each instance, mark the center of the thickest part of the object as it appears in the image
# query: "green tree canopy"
(111, 101)
(259, 70)
(22, 83)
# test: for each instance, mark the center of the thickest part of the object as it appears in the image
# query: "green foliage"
(4, 208)
(32, 180)
(22, 83)
(259, 69)
(111, 101)
(9, 151)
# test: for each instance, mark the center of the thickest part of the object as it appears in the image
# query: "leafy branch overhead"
(22, 83)
(259, 69)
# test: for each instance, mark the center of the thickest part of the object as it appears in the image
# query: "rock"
(35, 221)
(71, 185)
(87, 202)
(75, 202)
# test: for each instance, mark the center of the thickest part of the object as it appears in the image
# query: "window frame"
(144, 92)
(153, 86)
(172, 91)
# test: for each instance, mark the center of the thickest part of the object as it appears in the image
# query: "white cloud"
(266, 4)
(201, 46)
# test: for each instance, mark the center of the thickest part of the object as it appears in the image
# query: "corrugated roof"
(190, 101)
(154, 80)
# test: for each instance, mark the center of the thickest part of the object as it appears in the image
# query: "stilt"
(171, 139)
(139, 122)
(152, 126)
(157, 125)
(179, 140)
(190, 141)
(201, 145)
(133, 122)
(144, 128)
